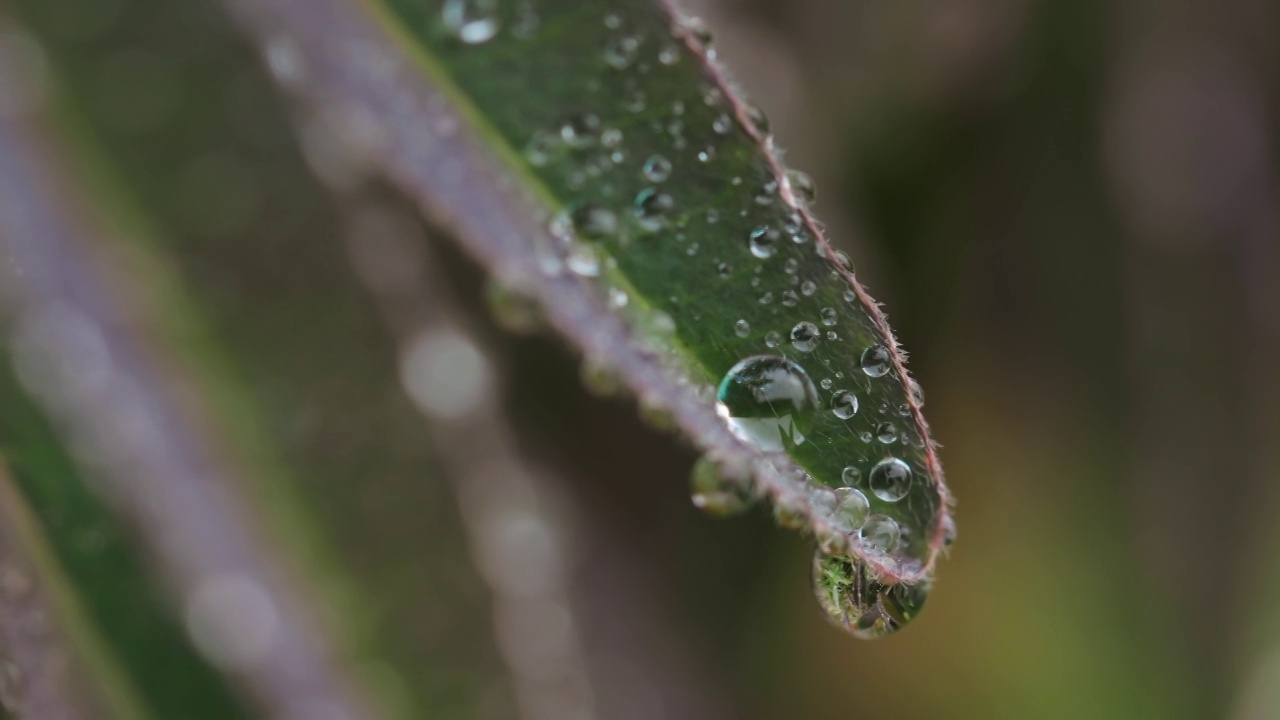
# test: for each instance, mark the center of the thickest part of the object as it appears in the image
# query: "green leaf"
(594, 156)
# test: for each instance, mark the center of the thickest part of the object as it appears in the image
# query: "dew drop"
(828, 315)
(472, 21)
(851, 509)
(722, 124)
(917, 392)
(766, 298)
(513, 310)
(826, 383)
(541, 147)
(706, 154)
(669, 54)
(611, 138)
(621, 51)
(887, 433)
(742, 328)
(657, 169)
(580, 130)
(855, 601)
(768, 401)
(851, 475)
(880, 533)
(804, 336)
(865, 436)
(594, 222)
(763, 241)
(844, 404)
(875, 361)
(758, 119)
(801, 186)
(772, 339)
(715, 493)
(789, 298)
(652, 208)
(890, 479)
(635, 101)
(766, 192)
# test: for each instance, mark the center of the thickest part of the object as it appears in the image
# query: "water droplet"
(917, 392)
(808, 288)
(580, 130)
(881, 533)
(742, 328)
(583, 260)
(829, 316)
(621, 51)
(513, 310)
(875, 361)
(766, 192)
(669, 54)
(698, 30)
(844, 404)
(865, 436)
(854, 600)
(471, 21)
(758, 119)
(766, 298)
(886, 433)
(801, 186)
(851, 475)
(789, 298)
(635, 101)
(772, 339)
(594, 222)
(764, 241)
(767, 401)
(652, 208)
(722, 124)
(826, 383)
(948, 531)
(611, 138)
(714, 492)
(804, 336)
(890, 479)
(541, 147)
(842, 259)
(657, 169)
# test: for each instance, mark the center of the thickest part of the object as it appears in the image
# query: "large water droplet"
(768, 401)
(854, 600)
(851, 509)
(880, 533)
(844, 404)
(875, 361)
(890, 479)
(714, 492)
(471, 21)
(804, 336)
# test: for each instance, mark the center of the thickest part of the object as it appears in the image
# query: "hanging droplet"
(472, 21)
(854, 600)
(801, 186)
(715, 493)
(880, 533)
(768, 401)
(653, 208)
(764, 241)
(890, 479)
(657, 169)
(875, 361)
(844, 404)
(804, 336)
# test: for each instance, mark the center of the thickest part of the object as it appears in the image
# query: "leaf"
(594, 156)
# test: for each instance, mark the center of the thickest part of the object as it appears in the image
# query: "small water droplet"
(772, 339)
(669, 54)
(948, 531)
(713, 492)
(801, 186)
(472, 21)
(766, 192)
(653, 208)
(764, 241)
(865, 436)
(611, 138)
(594, 222)
(580, 130)
(851, 475)
(621, 51)
(855, 601)
(722, 124)
(706, 154)
(887, 433)
(583, 260)
(541, 147)
(808, 288)
(826, 383)
(758, 119)
(657, 169)
(804, 336)
(875, 361)
(917, 392)
(634, 101)
(844, 404)
(881, 533)
(890, 479)
(842, 259)
(768, 401)
(789, 298)
(829, 316)
(766, 298)
(742, 328)
(513, 310)
(698, 30)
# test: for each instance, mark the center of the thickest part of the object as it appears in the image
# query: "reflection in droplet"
(768, 401)
(844, 404)
(854, 600)
(875, 361)
(804, 336)
(881, 533)
(890, 479)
